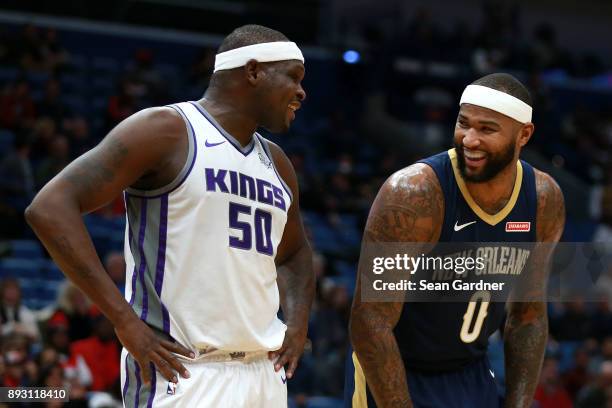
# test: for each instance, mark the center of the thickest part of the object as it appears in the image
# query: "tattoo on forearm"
(525, 338)
(526, 329)
(409, 208)
(378, 352)
(297, 281)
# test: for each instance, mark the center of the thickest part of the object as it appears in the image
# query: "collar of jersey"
(231, 139)
(491, 219)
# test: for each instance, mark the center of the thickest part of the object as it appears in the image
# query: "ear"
(253, 72)
(525, 133)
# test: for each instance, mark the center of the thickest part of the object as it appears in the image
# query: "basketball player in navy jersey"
(426, 354)
(213, 216)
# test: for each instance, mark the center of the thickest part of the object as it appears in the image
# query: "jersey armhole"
(182, 175)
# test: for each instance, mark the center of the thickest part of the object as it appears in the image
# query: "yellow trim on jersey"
(491, 219)
(360, 398)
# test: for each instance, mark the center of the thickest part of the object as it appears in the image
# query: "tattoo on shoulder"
(98, 167)
(551, 208)
(409, 207)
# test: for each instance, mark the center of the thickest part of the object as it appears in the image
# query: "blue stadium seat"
(26, 248)
(105, 65)
(74, 83)
(103, 85)
(324, 402)
(51, 272)
(21, 268)
(75, 103)
(6, 140)
(347, 282)
(78, 62)
(47, 292)
(8, 74)
(346, 269)
(38, 78)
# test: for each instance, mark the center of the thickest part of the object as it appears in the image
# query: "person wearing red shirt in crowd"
(16, 105)
(550, 393)
(100, 353)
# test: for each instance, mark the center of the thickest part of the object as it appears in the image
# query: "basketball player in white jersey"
(213, 225)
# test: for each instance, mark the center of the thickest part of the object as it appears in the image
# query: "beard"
(495, 163)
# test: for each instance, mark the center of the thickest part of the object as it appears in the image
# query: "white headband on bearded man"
(264, 52)
(498, 101)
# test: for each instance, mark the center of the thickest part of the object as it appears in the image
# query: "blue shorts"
(473, 386)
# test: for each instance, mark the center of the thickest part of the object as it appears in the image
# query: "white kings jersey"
(200, 251)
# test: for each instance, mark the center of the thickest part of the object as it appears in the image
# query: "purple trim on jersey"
(130, 237)
(223, 132)
(127, 377)
(138, 383)
(153, 381)
(193, 160)
(265, 149)
(161, 259)
(143, 261)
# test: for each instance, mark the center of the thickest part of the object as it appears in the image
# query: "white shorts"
(228, 384)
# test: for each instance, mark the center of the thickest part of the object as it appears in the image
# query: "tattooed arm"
(526, 328)
(408, 208)
(137, 152)
(295, 275)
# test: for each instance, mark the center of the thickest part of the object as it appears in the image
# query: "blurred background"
(383, 81)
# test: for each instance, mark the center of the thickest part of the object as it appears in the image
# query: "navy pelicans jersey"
(442, 343)
(443, 336)
(200, 251)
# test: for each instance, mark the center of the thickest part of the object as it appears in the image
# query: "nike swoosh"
(212, 144)
(462, 226)
(492, 373)
(284, 380)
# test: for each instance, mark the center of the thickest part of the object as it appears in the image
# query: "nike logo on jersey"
(213, 144)
(492, 373)
(284, 379)
(462, 226)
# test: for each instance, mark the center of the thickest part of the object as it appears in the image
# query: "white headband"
(264, 52)
(498, 101)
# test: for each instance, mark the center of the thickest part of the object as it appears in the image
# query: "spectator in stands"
(602, 316)
(104, 371)
(122, 104)
(115, 266)
(14, 316)
(201, 70)
(42, 134)
(56, 336)
(19, 369)
(330, 338)
(77, 309)
(51, 105)
(17, 107)
(53, 53)
(78, 131)
(573, 324)
(16, 187)
(578, 376)
(57, 159)
(147, 85)
(29, 48)
(549, 392)
(599, 393)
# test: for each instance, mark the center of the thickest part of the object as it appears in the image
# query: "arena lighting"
(351, 56)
